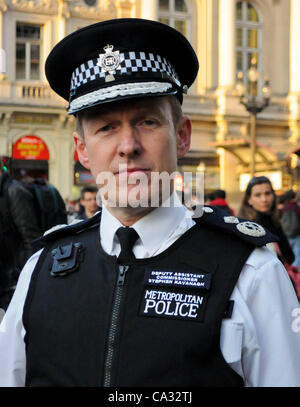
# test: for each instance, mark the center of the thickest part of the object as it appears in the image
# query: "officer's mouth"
(133, 171)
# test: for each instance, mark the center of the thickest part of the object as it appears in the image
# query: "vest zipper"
(114, 324)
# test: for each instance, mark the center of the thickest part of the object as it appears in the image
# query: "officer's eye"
(107, 127)
(149, 123)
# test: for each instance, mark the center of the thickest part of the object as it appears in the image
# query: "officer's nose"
(129, 142)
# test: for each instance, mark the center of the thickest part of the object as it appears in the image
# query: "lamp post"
(253, 104)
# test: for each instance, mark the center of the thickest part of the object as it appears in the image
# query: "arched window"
(175, 13)
(248, 37)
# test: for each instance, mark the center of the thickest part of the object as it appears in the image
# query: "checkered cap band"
(130, 62)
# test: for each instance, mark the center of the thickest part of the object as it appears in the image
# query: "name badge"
(175, 294)
(177, 279)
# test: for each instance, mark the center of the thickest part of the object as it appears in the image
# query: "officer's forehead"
(151, 104)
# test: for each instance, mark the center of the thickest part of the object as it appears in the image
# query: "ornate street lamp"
(253, 103)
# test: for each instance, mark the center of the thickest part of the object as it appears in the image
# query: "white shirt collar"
(153, 229)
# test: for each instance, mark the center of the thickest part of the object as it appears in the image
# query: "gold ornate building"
(226, 34)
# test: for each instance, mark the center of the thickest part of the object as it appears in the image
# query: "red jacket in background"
(221, 203)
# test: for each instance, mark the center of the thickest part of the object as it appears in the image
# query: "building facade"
(36, 131)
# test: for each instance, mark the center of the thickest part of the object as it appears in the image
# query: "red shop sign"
(30, 148)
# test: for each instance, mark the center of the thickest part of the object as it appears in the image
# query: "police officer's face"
(261, 198)
(132, 141)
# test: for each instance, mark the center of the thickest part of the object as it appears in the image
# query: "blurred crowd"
(28, 209)
(279, 214)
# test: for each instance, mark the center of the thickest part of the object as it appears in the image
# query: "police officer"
(145, 293)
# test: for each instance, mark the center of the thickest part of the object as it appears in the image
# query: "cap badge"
(109, 62)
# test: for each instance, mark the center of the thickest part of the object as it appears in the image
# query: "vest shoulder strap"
(244, 229)
(60, 231)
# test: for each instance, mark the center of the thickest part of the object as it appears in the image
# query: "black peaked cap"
(125, 35)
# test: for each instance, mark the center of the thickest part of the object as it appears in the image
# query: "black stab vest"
(166, 325)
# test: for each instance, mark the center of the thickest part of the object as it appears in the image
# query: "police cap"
(120, 59)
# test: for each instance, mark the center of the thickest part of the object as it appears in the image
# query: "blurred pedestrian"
(18, 227)
(218, 198)
(259, 204)
(69, 206)
(72, 208)
(290, 221)
(88, 203)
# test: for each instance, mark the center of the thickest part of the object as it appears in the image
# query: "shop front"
(30, 157)
(267, 163)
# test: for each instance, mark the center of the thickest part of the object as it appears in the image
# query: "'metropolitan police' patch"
(177, 294)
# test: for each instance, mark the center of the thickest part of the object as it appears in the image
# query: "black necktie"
(127, 237)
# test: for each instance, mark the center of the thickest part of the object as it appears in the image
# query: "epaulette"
(59, 231)
(247, 230)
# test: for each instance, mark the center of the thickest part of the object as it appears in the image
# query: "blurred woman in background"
(259, 204)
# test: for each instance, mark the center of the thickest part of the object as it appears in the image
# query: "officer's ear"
(184, 131)
(81, 150)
